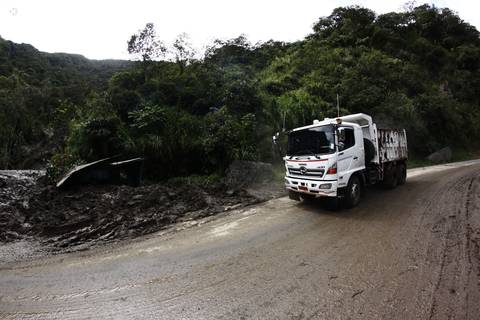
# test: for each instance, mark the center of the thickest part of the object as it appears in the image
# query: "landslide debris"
(102, 213)
(15, 188)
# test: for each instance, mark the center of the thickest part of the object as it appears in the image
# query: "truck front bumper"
(318, 188)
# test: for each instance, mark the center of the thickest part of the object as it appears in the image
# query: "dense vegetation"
(35, 90)
(417, 69)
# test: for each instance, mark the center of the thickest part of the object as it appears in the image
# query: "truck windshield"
(312, 141)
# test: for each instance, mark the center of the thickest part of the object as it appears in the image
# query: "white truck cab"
(338, 157)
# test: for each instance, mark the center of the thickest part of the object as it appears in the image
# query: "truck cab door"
(350, 157)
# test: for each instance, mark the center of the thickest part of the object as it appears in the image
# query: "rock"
(442, 155)
(235, 206)
(25, 204)
(26, 226)
(12, 235)
(242, 174)
(137, 197)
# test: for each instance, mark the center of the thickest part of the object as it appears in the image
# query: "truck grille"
(306, 172)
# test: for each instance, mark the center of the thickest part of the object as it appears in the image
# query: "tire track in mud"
(467, 244)
(473, 247)
(450, 295)
(445, 229)
(397, 257)
(436, 269)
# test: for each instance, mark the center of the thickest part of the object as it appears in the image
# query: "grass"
(457, 155)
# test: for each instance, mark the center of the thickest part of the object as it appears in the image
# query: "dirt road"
(412, 253)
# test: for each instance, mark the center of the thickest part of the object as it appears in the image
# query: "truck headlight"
(325, 186)
(287, 182)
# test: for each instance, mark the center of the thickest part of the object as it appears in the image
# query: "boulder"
(442, 155)
(242, 174)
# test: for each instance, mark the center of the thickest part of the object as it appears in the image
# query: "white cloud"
(100, 29)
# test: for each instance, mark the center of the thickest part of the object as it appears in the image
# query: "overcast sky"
(100, 29)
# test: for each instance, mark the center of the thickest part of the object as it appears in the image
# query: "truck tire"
(369, 150)
(293, 195)
(390, 177)
(353, 192)
(401, 174)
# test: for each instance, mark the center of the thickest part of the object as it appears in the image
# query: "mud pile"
(103, 213)
(15, 190)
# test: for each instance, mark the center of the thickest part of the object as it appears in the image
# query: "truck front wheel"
(353, 192)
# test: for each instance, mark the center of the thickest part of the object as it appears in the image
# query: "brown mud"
(86, 215)
(408, 253)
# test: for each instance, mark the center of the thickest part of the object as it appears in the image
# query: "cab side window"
(346, 138)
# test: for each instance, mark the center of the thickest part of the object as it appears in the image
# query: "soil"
(84, 216)
(408, 253)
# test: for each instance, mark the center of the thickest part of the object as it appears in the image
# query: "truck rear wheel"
(353, 192)
(390, 177)
(401, 174)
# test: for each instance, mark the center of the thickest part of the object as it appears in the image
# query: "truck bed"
(392, 145)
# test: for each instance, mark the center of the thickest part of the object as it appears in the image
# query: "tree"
(183, 51)
(233, 51)
(347, 26)
(146, 44)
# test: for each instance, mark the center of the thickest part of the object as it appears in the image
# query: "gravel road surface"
(410, 253)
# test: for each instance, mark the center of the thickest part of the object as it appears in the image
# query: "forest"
(193, 114)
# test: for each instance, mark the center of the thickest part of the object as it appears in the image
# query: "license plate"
(303, 188)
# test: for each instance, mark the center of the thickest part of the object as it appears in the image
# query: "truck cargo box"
(392, 145)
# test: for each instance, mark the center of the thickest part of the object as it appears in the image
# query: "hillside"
(417, 69)
(33, 86)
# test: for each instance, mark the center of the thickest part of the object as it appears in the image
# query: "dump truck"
(338, 157)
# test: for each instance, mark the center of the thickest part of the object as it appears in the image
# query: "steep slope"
(33, 87)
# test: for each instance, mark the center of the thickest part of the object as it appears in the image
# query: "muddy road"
(411, 253)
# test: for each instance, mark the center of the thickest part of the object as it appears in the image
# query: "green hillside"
(34, 86)
(417, 69)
